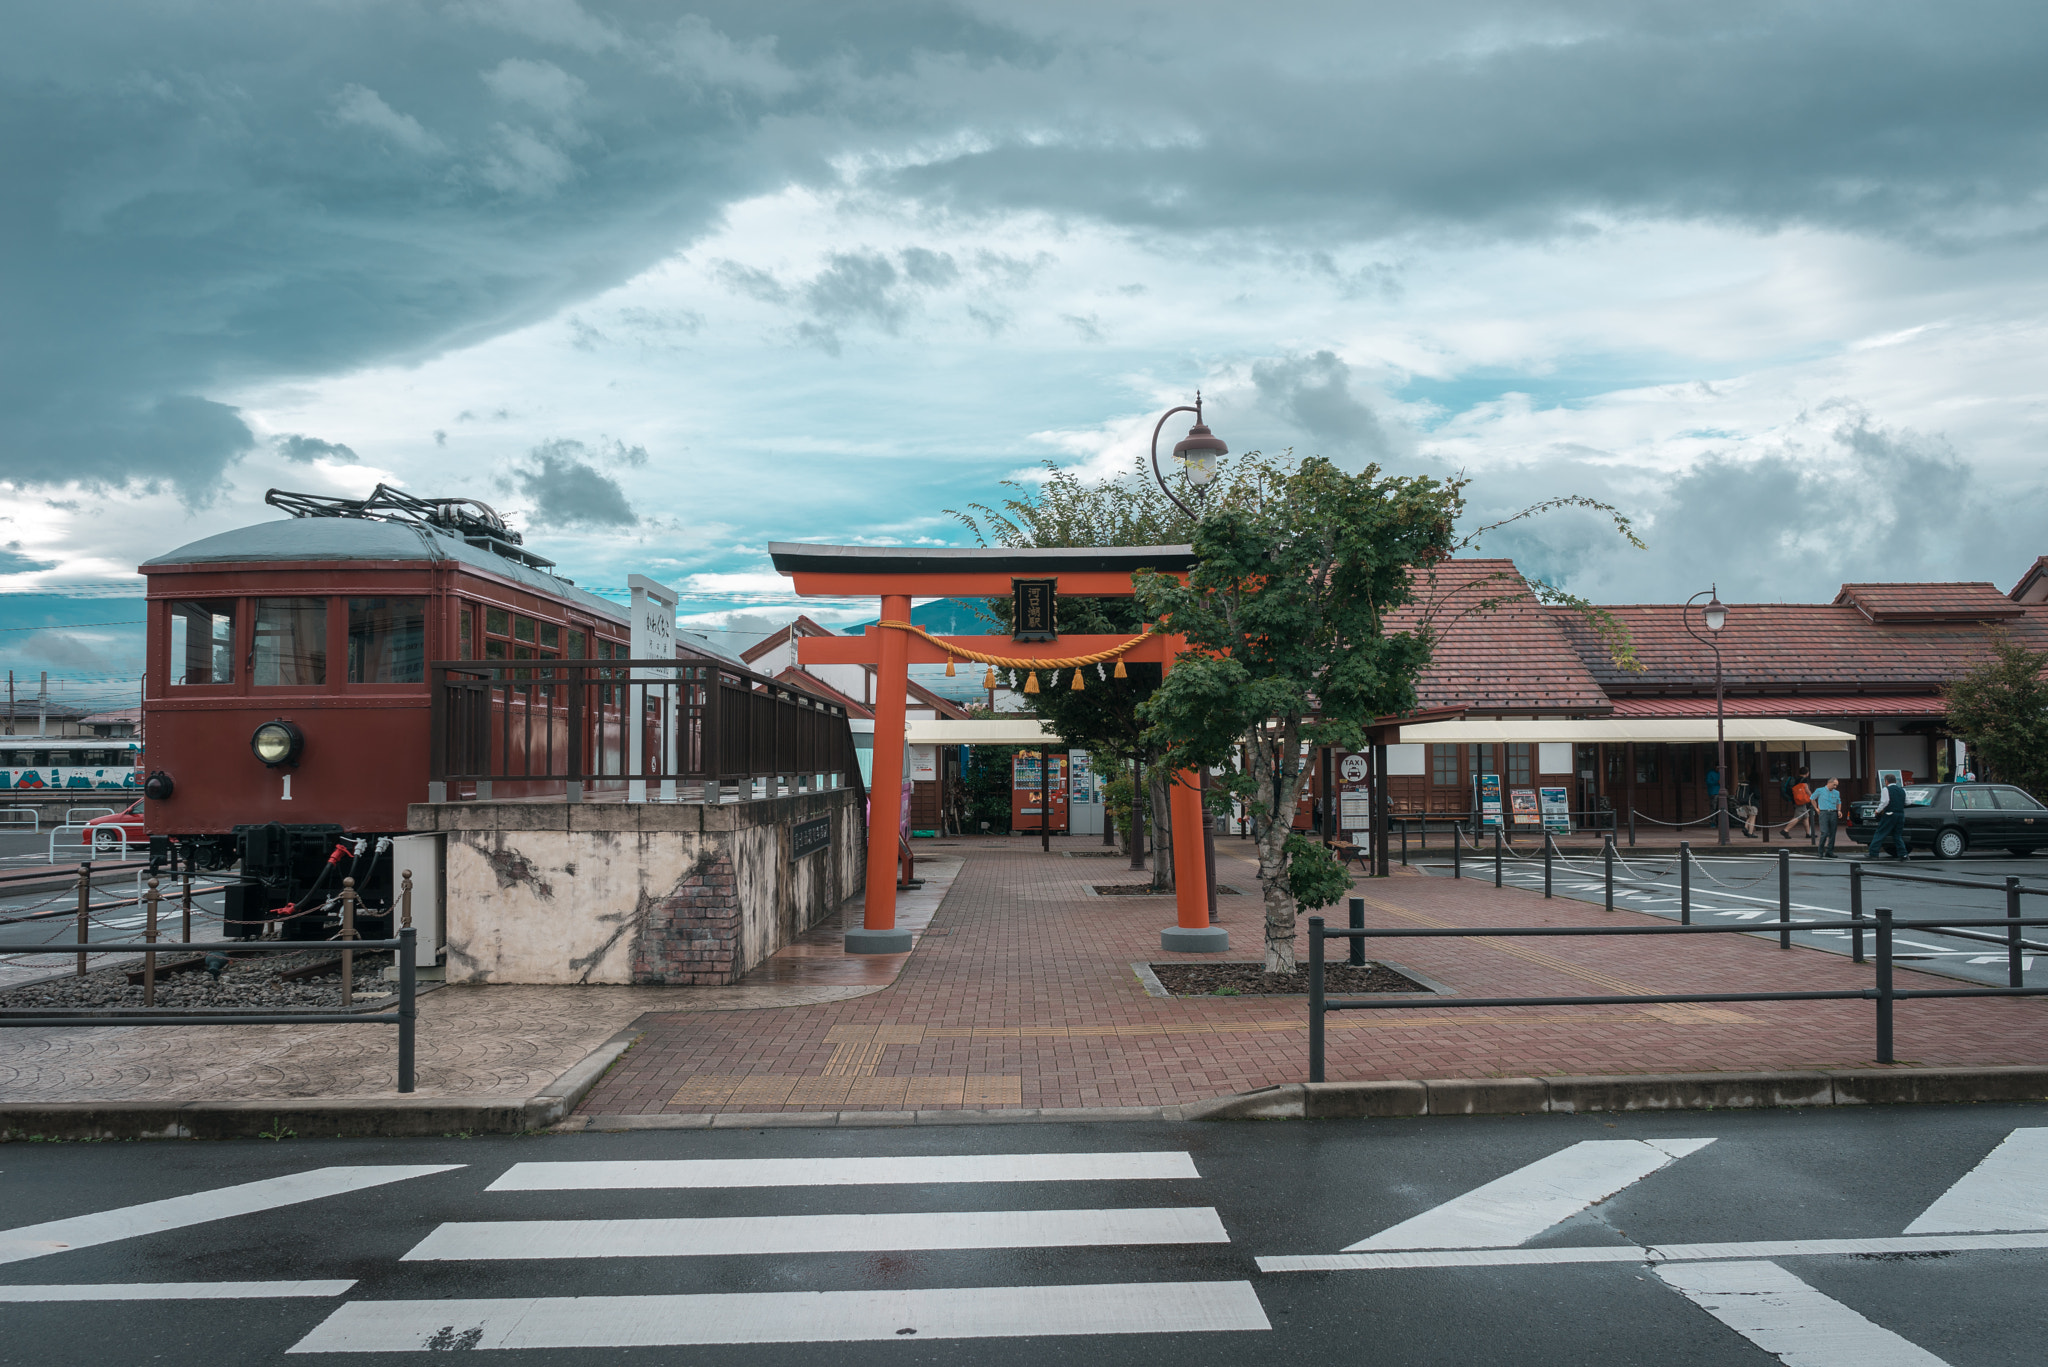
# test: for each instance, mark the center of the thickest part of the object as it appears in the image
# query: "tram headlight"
(277, 742)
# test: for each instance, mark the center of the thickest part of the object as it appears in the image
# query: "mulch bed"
(1252, 980)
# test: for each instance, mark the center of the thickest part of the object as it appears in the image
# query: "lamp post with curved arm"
(1714, 616)
(1198, 453)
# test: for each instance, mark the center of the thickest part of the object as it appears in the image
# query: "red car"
(109, 831)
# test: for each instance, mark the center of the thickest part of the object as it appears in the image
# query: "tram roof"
(357, 538)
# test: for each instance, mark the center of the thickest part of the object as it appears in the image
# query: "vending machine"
(1028, 783)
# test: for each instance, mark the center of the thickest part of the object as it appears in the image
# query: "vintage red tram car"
(287, 703)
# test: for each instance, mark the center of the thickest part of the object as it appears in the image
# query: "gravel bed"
(1252, 980)
(248, 984)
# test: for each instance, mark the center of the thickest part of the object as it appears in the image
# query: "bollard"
(1631, 825)
(1549, 848)
(348, 933)
(1884, 984)
(1607, 856)
(84, 911)
(1685, 882)
(1784, 896)
(2013, 975)
(1425, 833)
(1855, 912)
(1357, 956)
(1404, 844)
(188, 906)
(1496, 856)
(405, 1003)
(149, 902)
(1315, 999)
(1457, 851)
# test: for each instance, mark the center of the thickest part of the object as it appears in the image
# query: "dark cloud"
(306, 450)
(1314, 393)
(12, 561)
(568, 491)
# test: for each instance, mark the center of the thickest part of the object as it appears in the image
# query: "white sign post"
(654, 638)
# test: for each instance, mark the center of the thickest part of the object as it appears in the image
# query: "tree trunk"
(1156, 781)
(1137, 819)
(1271, 761)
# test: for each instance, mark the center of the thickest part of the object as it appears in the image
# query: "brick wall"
(689, 936)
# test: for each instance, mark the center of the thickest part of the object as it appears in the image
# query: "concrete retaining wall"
(613, 892)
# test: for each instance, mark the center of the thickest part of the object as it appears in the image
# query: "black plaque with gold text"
(1034, 600)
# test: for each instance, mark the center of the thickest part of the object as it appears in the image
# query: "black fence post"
(1357, 955)
(1549, 848)
(1315, 999)
(1457, 851)
(1607, 857)
(1784, 896)
(1425, 831)
(1631, 825)
(1884, 985)
(1685, 882)
(1496, 856)
(2013, 976)
(1404, 842)
(1855, 911)
(405, 1007)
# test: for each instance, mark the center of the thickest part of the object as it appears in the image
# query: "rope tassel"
(989, 680)
(949, 666)
(1120, 673)
(1031, 682)
(1079, 684)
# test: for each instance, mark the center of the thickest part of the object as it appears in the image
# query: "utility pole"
(43, 707)
(10, 702)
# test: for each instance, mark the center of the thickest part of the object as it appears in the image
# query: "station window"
(203, 642)
(1519, 775)
(1443, 766)
(291, 642)
(387, 640)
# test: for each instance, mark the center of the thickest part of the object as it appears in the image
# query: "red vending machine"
(1026, 785)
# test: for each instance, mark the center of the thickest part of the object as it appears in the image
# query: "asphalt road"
(1702, 1238)
(1745, 888)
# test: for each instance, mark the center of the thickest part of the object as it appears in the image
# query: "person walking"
(1890, 816)
(1802, 805)
(1828, 804)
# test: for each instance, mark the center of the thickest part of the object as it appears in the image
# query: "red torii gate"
(896, 574)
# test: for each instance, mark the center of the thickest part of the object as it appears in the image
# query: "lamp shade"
(1716, 613)
(1198, 452)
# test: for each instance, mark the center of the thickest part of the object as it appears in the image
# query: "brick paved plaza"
(1021, 992)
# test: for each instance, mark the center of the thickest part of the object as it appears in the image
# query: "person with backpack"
(1802, 804)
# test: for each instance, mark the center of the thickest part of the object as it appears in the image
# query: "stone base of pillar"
(1200, 940)
(877, 941)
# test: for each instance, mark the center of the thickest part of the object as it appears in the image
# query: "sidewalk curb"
(1644, 1092)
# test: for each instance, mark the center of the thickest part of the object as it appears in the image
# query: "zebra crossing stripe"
(171, 1291)
(787, 1317)
(2008, 1190)
(1397, 1259)
(739, 1235)
(1784, 1316)
(845, 1172)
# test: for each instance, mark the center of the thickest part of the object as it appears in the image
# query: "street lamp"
(1197, 452)
(1715, 616)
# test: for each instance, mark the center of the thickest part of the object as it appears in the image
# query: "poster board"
(1557, 809)
(1489, 799)
(1522, 803)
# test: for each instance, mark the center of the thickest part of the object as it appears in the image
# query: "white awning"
(1021, 730)
(1774, 733)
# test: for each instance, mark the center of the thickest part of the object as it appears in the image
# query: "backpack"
(1785, 787)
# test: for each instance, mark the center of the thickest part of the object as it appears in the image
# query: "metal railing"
(632, 728)
(403, 1016)
(96, 840)
(11, 819)
(1884, 994)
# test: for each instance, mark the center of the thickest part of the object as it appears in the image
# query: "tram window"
(467, 635)
(387, 640)
(522, 629)
(497, 622)
(203, 642)
(575, 651)
(291, 642)
(550, 635)
(494, 650)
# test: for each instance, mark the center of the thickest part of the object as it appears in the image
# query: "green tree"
(2000, 710)
(1286, 616)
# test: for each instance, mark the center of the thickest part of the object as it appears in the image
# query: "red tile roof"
(1499, 650)
(1976, 602)
(2033, 585)
(802, 626)
(1779, 705)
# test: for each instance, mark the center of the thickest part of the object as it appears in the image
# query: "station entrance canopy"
(1773, 733)
(1038, 578)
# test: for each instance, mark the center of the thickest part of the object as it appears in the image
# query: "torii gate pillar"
(878, 932)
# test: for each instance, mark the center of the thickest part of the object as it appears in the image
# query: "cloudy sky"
(664, 283)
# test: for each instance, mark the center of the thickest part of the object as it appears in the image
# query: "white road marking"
(735, 1235)
(1782, 1315)
(1665, 1253)
(129, 1222)
(787, 1317)
(171, 1291)
(1518, 1207)
(842, 1172)
(2008, 1190)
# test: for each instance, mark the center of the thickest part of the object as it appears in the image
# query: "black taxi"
(1949, 818)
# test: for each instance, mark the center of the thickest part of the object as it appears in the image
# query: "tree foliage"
(2000, 710)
